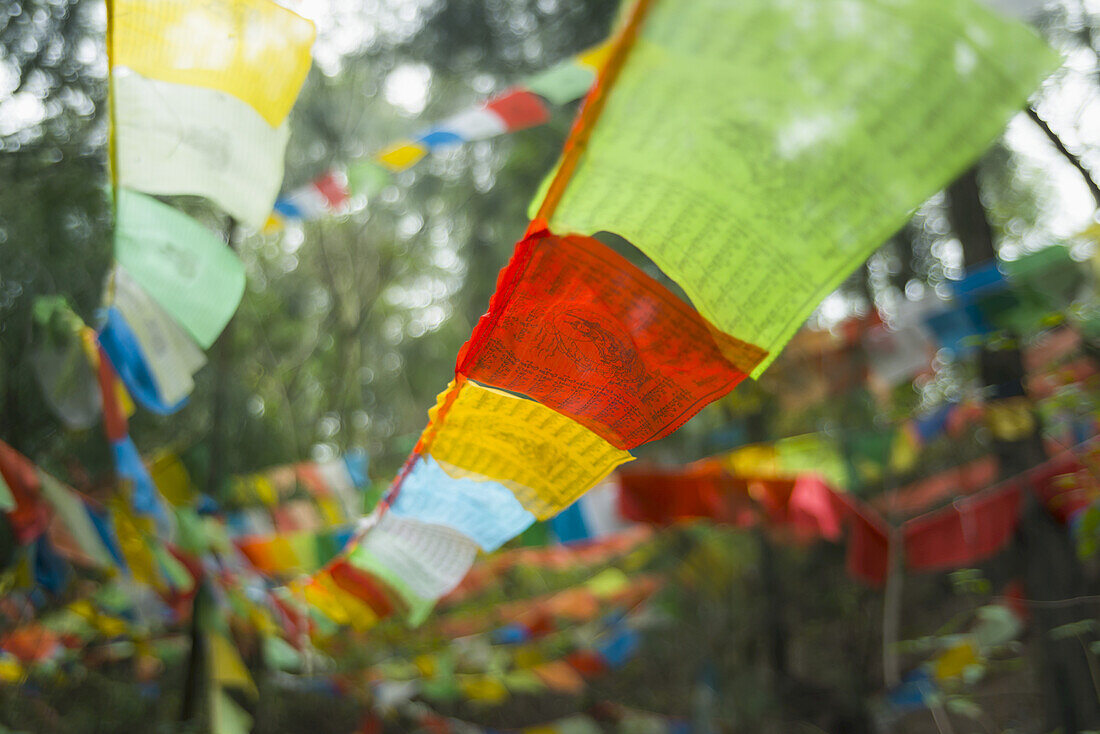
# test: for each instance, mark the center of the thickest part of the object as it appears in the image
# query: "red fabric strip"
(30, 516)
(964, 533)
(362, 586)
(662, 496)
(580, 329)
(335, 193)
(519, 109)
(114, 420)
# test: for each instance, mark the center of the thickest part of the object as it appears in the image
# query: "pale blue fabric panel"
(487, 512)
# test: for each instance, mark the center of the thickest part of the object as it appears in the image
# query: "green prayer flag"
(226, 715)
(280, 655)
(183, 266)
(368, 178)
(7, 501)
(563, 82)
(758, 151)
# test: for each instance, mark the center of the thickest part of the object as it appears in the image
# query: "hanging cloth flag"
(571, 78)
(122, 347)
(71, 512)
(60, 364)
(759, 180)
(578, 328)
(176, 139)
(485, 511)
(420, 561)
(171, 355)
(28, 514)
(962, 534)
(546, 459)
(188, 271)
(226, 715)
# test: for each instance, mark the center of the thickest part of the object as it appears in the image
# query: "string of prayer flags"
(485, 511)
(578, 328)
(546, 459)
(324, 194)
(188, 271)
(144, 497)
(515, 109)
(761, 199)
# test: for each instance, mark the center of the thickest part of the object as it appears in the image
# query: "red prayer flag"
(519, 109)
(115, 424)
(868, 556)
(30, 516)
(662, 496)
(332, 189)
(586, 662)
(964, 533)
(362, 586)
(812, 509)
(578, 328)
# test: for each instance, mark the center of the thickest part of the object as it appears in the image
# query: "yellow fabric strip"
(255, 50)
(546, 459)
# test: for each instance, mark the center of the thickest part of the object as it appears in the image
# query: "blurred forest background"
(350, 325)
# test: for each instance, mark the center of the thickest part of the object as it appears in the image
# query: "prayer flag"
(178, 139)
(759, 180)
(191, 273)
(171, 355)
(30, 515)
(72, 513)
(485, 511)
(431, 559)
(546, 459)
(964, 533)
(577, 327)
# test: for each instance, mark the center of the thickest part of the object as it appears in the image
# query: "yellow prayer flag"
(320, 598)
(10, 669)
(171, 478)
(595, 57)
(400, 156)
(546, 459)
(607, 583)
(758, 461)
(483, 689)
(358, 614)
(952, 662)
(226, 667)
(131, 532)
(254, 50)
